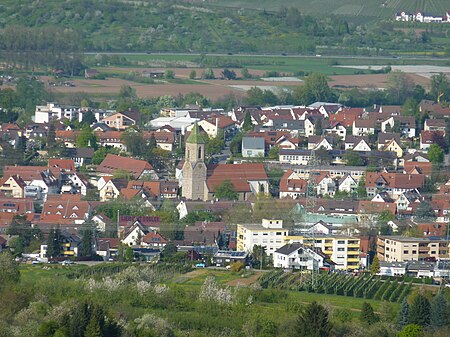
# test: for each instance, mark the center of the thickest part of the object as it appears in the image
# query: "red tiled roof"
(347, 116)
(423, 167)
(238, 174)
(113, 162)
(153, 237)
(370, 207)
(27, 173)
(426, 137)
(286, 183)
(396, 180)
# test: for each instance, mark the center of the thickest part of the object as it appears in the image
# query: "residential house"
(214, 125)
(138, 169)
(356, 143)
(393, 183)
(336, 129)
(363, 127)
(294, 157)
(69, 246)
(393, 146)
(81, 156)
(12, 186)
(154, 240)
(111, 189)
(406, 125)
(343, 250)
(298, 256)
(133, 235)
(111, 139)
(408, 202)
(253, 147)
(347, 184)
(427, 138)
(224, 258)
(392, 268)
(269, 234)
(101, 221)
(54, 111)
(346, 116)
(386, 138)
(435, 125)
(434, 110)
(320, 142)
(291, 185)
(68, 207)
(122, 120)
(326, 186)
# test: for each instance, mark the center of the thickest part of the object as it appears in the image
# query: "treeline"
(52, 48)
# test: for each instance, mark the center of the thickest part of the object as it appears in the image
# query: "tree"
(208, 74)
(314, 89)
(274, 152)
(134, 141)
(53, 243)
(313, 321)
(169, 74)
(439, 310)
(352, 158)
(361, 191)
(367, 314)
(436, 154)
(259, 255)
(129, 254)
(247, 125)
(440, 87)
(400, 87)
(411, 330)
(419, 311)
(86, 243)
(226, 191)
(88, 118)
(425, 211)
(192, 74)
(9, 271)
(87, 138)
(375, 267)
(403, 315)
(245, 73)
(229, 74)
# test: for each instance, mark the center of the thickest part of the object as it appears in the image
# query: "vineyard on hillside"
(363, 286)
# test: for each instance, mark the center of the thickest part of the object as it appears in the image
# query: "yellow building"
(343, 250)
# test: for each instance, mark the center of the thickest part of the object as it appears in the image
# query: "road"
(359, 57)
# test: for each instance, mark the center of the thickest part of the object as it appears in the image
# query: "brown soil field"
(213, 89)
(371, 80)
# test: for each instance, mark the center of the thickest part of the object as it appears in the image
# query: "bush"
(237, 266)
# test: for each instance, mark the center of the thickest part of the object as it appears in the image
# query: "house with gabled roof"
(325, 184)
(66, 207)
(291, 185)
(320, 142)
(12, 186)
(438, 124)
(336, 129)
(427, 138)
(138, 169)
(433, 109)
(407, 125)
(122, 120)
(133, 235)
(299, 256)
(408, 201)
(247, 179)
(347, 184)
(363, 127)
(357, 143)
(253, 147)
(393, 183)
(393, 146)
(111, 189)
(154, 240)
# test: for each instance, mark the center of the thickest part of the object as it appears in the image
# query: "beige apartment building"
(269, 234)
(401, 249)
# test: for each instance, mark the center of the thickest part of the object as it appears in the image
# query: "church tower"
(194, 168)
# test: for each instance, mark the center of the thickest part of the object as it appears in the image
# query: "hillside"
(181, 26)
(353, 10)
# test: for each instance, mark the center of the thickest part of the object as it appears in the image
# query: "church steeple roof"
(196, 136)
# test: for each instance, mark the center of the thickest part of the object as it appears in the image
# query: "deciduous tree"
(313, 321)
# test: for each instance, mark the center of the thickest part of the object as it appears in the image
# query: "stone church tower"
(194, 168)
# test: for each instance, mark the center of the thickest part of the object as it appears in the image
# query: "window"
(341, 242)
(341, 249)
(414, 251)
(406, 252)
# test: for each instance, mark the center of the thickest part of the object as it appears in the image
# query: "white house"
(363, 127)
(54, 111)
(298, 256)
(253, 147)
(347, 184)
(392, 268)
(134, 235)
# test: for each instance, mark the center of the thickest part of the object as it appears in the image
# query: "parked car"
(200, 265)
(67, 262)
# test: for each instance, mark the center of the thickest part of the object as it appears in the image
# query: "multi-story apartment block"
(342, 250)
(269, 234)
(401, 249)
